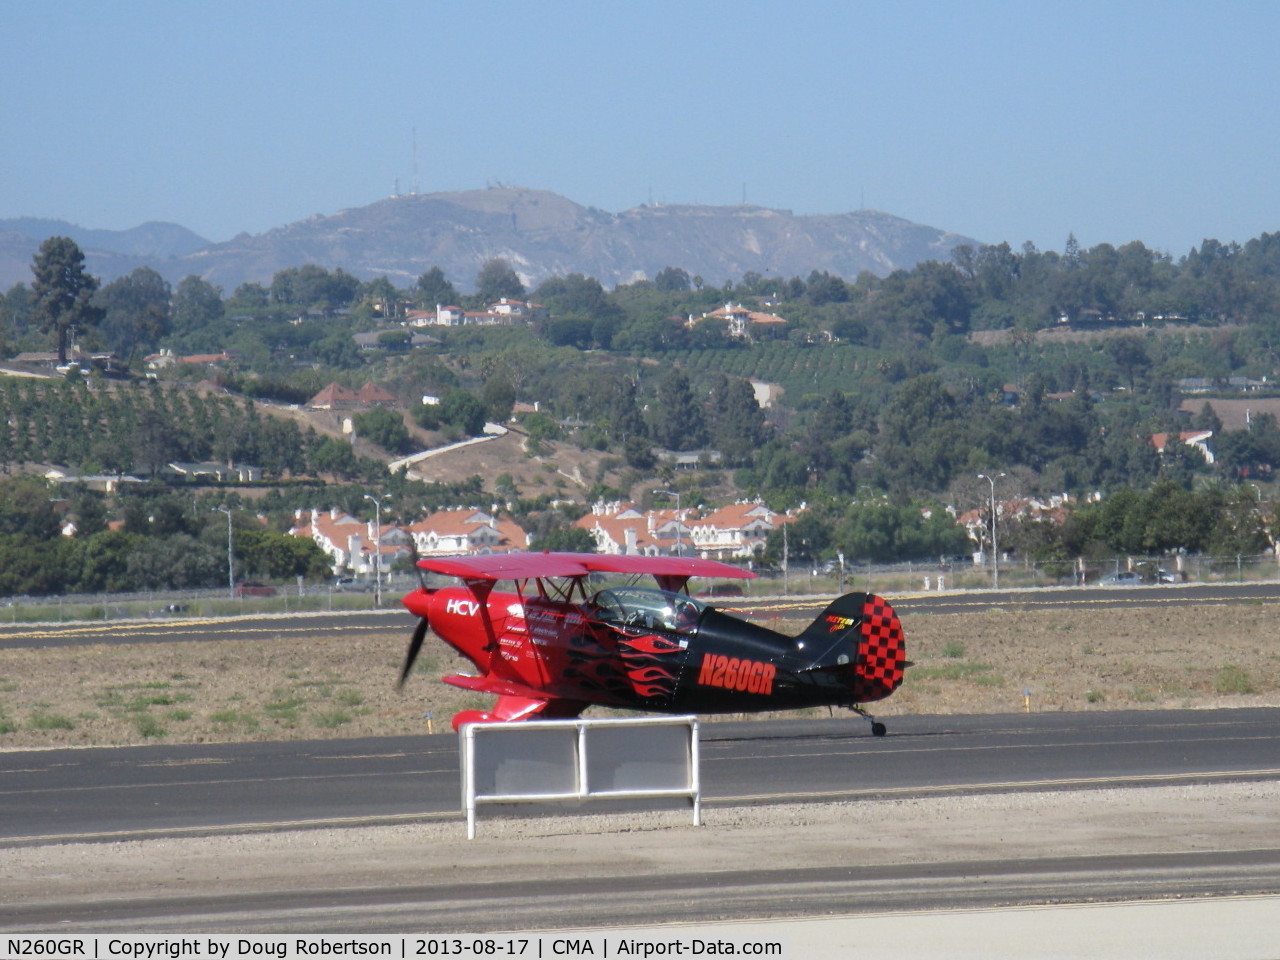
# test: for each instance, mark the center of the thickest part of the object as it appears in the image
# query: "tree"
(496, 280)
(498, 397)
(672, 280)
(433, 289)
(383, 427)
(572, 539)
(737, 422)
(677, 422)
(196, 303)
(313, 286)
(276, 556)
(63, 291)
(135, 311)
(464, 411)
(26, 509)
(251, 298)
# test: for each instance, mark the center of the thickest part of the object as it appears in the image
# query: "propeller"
(415, 645)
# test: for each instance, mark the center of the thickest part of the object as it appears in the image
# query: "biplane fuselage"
(552, 653)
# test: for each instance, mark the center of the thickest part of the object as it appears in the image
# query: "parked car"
(350, 584)
(722, 590)
(249, 589)
(1122, 578)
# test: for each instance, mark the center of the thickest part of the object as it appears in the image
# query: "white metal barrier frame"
(548, 761)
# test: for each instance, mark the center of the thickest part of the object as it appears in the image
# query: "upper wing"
(527, 566)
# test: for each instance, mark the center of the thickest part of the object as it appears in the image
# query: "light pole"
(231, 573)
(995, 550)
(377, 555)
(679, 518)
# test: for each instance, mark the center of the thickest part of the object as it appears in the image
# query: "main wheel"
(878, 729)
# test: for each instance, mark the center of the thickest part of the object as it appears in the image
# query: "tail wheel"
(878, 729)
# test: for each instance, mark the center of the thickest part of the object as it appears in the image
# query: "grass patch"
(50, 721)
(1142, 695)
(156, 694)
(234, 718)
(7, 725)
(145, 701)
(178, 716)
(148, 727)
(1095, 696)
(332, 718)
(974, 672)
(350, 697)
(1232, 679)
(286, 709)
(953, 650)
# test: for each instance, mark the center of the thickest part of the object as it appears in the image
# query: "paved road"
(163, 790)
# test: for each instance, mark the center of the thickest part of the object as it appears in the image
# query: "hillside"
(541, 234)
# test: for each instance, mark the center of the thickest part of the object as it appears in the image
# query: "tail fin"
(864, 630)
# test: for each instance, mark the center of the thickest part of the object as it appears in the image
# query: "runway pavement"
(185, 789)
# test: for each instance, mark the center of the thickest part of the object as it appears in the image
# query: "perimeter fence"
(943, 575)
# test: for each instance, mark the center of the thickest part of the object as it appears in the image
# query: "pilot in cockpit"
(646, 608)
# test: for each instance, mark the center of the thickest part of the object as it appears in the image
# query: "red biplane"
(563, 640)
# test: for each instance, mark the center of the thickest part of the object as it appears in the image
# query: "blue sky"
(1004, 121)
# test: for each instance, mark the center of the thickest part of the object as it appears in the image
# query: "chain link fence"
(957, 574)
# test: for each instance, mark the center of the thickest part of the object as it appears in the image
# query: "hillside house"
(735, 532)
(350, 543)
(505, 311)
(622, 529)
(466, 532)
(977, 522)
(1198, 439)
(744, 324)
(212, 471)
(337, 397)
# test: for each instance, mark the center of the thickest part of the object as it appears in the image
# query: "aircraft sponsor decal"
(465, 608)
(734, 673)
(839, 623)
(553, 624)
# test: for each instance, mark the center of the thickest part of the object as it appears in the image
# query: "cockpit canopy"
(647, 608)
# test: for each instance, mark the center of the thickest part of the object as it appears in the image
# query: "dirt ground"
(993, 661)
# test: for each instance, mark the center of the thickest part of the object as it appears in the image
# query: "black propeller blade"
(415, 645)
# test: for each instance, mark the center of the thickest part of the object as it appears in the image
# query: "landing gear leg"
(878, 729)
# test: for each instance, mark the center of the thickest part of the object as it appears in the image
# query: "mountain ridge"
(540, 233)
